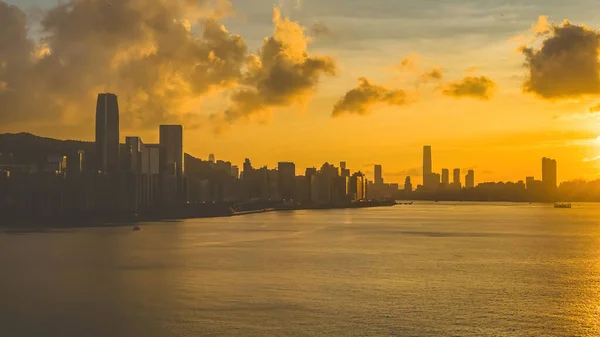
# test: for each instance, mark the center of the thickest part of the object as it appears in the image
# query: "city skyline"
(507, 118)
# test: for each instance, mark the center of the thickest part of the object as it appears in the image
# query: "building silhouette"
(445, 177)
(287, 180)
(408, 187)
(427, 167)
(107, 133)
(456, 178)
(549, 173)
(211, 158)
(172, 165)
(378, 175)
(470, 179)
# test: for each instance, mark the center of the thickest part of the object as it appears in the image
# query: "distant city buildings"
(136, 177)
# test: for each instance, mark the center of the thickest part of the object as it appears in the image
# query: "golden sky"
(490, 85)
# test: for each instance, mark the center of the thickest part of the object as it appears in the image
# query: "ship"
(562, 205)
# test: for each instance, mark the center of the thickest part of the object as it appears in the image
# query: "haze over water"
(421, 270)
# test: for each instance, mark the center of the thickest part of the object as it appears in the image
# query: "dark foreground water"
(421, 270)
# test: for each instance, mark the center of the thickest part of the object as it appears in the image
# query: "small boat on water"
(136, 228)
(562, 205)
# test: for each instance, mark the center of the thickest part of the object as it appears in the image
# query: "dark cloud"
(146, 53)
(319, 29)
(566, 65)
(143, 50)
(281, 74)
(360, 99)
(475, 87)
(595, 108)
(434, 74)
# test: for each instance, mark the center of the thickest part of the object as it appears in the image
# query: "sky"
(491, 85)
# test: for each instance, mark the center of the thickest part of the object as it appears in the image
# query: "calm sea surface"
(420, 270)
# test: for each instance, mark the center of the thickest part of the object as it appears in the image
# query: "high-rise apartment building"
(456, 180)
(378, 175)
(171, 143)
(107, 133)
(549, 174)
(445, 177)
(470, 179)
(287, 180)
(427, 167)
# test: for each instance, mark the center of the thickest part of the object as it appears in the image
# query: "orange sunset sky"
(492, 86)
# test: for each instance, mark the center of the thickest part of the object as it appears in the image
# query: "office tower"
(456, 180)
(470, 179)
(427, 166)
(378, 175)
(343, 165)
(133, 157)
(171, 143)
(107, 133)
(151, 159)
(445, 177)
(235, 171)
(408, 185)
(287, 180)
(211, 158)
(549, 178)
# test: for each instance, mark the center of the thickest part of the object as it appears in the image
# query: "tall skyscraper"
(171, 142)
(470, 179)
(427, 166)
(549, 176)
(378, 175)
(445, 177)
(456, 179)
(287, 180)
(107, 133)
(343, 165)
(211, 158)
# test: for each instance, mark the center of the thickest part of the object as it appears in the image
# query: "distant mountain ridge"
(27, 148)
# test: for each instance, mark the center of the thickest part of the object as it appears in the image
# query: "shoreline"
(36, 225)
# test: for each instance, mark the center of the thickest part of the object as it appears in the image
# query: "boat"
(136, 228)
(562, 205)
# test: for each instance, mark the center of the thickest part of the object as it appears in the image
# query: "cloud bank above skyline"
(162, 68)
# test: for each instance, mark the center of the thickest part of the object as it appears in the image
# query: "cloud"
(142, 50)
(410, 62)
(149, 54)
(589, 160)
(362, 98)
(434, 74)
(595, 108)
(566, 64)
(474, 87)
(283, 72)
(319, 29)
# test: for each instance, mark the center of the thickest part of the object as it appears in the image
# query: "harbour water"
(428, 269)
